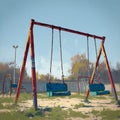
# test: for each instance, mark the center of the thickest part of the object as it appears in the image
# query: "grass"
(13, 116)
(6, 100)
(96, 113)
(56, 113)
(79, 106)
(34, 115)
(107, 114)
(25, 96)
(76, 95)
(42, 95)
(75, 114)
(110, 114)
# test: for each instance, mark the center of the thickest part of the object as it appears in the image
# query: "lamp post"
(15, 47)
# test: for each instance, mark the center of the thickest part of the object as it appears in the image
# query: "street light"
(15, 47)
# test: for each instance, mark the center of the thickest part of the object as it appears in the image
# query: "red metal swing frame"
(30, 44)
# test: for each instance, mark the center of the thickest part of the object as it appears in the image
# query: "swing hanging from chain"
(56, 89)
(95, 88)
(88, 58)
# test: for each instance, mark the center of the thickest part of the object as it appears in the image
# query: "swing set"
(59, 87)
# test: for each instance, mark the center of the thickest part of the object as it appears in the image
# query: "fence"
(72, 86)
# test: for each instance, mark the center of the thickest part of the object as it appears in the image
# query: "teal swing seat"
(57, 89)
(14, 86)
(98, 89)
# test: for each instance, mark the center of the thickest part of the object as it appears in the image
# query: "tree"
(118, 66)
(43, 77)
(8, 68)
(3, 67)
(79, 65)
(116, 73)
(37, 75)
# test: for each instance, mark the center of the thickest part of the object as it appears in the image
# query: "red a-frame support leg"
(30, 43)
(109, 74)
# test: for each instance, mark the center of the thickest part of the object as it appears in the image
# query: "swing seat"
(57, 89)
(14, 85)
(98, 89)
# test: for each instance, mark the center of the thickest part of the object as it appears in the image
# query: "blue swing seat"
(98, 89)
(14, 86)
(57, 89)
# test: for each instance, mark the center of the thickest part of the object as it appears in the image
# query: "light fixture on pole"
(15, 47)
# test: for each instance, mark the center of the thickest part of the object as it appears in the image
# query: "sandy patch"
(69, 103)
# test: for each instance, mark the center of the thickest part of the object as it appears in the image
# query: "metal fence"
(72, 86)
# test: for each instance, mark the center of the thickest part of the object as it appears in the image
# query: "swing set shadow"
(30, 45)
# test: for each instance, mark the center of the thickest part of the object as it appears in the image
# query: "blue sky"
(100, 17)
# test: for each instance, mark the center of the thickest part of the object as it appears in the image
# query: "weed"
(95, 112)
(13, 116)
(110, 114)
(57, 114)
(25, 96)
(76, 114)
(79, 105)
(76, 95)
(107, 114)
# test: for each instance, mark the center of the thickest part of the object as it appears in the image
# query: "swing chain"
(88, 55)
(51, 55)
(97, 70)
(95, 46)
(61, 55)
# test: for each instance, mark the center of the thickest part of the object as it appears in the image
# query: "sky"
(99, 17)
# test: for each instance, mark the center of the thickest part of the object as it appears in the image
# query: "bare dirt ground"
(66, 103)
(70, 103)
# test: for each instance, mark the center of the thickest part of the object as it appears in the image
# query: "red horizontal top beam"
(68, 30)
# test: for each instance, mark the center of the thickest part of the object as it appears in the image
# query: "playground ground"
(59, 108)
